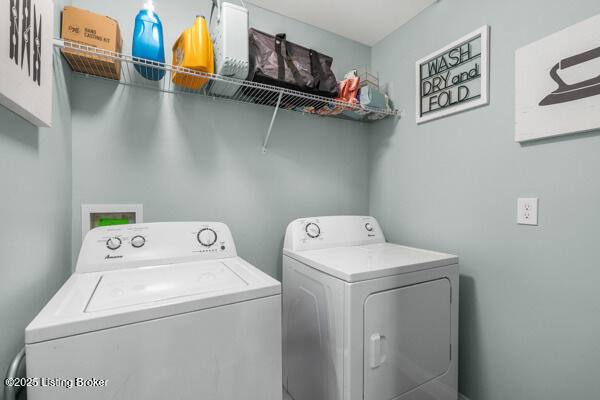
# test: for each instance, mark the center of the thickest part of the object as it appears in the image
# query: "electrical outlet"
(527, 211)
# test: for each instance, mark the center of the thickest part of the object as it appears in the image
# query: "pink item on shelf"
(348, 91)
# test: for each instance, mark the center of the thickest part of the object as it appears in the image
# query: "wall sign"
(455, 78)
(557, 83)
(26, 29)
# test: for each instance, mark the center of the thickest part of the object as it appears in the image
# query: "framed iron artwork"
(557, 83)
(454, 78)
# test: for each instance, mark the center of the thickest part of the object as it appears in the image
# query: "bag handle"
(281, 44)
(316, 68)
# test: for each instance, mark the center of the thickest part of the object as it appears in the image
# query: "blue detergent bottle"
(148, 43)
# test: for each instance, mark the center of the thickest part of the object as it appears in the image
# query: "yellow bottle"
(193, 50)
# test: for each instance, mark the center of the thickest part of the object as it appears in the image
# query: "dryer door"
(406, 338)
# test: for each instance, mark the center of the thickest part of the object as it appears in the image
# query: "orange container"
(193, 50)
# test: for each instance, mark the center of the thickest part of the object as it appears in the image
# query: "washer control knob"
(113, 243)
(369, 227)
(313, 230)
(207, 237)
(138, 241)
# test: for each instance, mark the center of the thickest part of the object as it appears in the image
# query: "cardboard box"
(92, 30)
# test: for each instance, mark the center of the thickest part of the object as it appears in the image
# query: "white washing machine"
(159, 311)
(364, 319)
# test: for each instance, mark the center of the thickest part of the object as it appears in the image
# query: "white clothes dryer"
(364, 319)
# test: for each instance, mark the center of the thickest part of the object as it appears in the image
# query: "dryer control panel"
(323, 232)
(125, 246)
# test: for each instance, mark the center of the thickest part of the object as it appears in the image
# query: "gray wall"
(35, 210)
(529, 323)
(191, 158)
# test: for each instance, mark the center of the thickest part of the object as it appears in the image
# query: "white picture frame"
(88, 210)
(26, 59)
(477, 83)
(557, 83)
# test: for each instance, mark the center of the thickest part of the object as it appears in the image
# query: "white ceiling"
(366, 21)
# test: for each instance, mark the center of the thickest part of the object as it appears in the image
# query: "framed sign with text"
(454, 78)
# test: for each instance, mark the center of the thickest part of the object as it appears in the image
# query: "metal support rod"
(266, 142)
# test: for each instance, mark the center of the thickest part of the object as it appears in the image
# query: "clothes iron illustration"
(570, 92)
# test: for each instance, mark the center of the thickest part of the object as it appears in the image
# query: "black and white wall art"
(557, 83)
(26, 28)
(454, 78)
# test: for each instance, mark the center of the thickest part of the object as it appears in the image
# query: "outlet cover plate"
(527, 210)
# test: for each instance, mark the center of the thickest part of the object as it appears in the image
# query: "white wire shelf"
(123, 69)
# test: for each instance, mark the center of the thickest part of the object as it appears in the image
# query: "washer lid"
(145, 285)
(358, 263)
(95, 301)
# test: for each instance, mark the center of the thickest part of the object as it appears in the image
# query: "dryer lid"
(358, 263)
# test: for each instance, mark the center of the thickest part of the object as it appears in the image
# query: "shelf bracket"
(268, 136)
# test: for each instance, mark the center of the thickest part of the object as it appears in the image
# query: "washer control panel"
(322, 232)
(136, 245)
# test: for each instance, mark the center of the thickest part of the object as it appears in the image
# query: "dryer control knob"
(113, 243)
(313, 230)
(207, 237)
(138, 241)
(369, 227)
